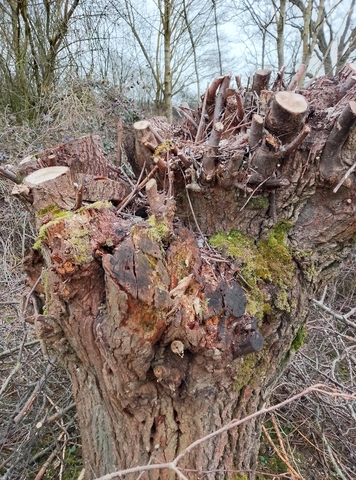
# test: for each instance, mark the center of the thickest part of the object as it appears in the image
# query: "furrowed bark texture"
(167, 335)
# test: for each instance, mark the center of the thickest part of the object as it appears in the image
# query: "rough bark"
(261, 80)
(168, 337)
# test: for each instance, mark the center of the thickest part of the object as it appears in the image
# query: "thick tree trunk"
(168, 336)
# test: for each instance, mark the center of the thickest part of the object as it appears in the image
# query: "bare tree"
(170, 36)
(32, 35)
(317, 34)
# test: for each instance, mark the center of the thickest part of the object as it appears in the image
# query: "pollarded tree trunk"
(170, 327)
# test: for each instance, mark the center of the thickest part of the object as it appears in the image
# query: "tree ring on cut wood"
(286, 115)
(51, 186)
(45, 174)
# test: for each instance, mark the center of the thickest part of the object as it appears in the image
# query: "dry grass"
(318, 432)
(31, 389)
(81, 108)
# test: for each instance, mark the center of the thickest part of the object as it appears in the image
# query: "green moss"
(109, 242)
(58, 216)
(268, 261)
(82, 249)
(258, 203)
(52, 209)
(299, 339)
(39, 239)
(96, 206)
(163, 148)
(245, 371)
(282, 302)
(158, 231)
(251, 366)
(277, 255)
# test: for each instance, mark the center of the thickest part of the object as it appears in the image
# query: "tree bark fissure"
(167, 338)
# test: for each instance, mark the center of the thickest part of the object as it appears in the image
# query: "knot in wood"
(159, 372)
(177, 347)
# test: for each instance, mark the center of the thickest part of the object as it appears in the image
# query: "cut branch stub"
(264, 162)
(261, 80)
(143, 137)
(210, 94)
(6, 173)
(256, 132)
(209, 159)
(51, 186)
(162, 208)
(154, 198)
(250, 343)
(331, 165)
(239, 105)
(298, 140)
(286, 115)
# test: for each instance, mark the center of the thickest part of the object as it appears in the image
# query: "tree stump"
(174, 325)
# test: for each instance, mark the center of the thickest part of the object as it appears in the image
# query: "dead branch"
(297, 141)
(297, 77)
(200, 130)
(4, 172)
(209, 159)
(119, 142)
(256, 132)
(187, 116)
(330, 164)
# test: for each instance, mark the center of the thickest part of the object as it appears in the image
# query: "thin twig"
(199, 134)
(9, 352)
(25, 409)
(347, 174)
(195, 219)
(119, 141)
(332, 458)
(59, 414)
(16, 368)
(128, 199)
(338, 316)
(253, 192)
